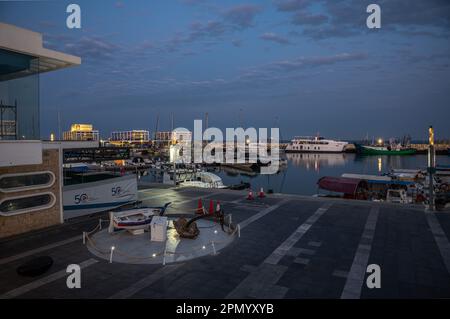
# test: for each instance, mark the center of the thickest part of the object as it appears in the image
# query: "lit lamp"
(431, 135)
(380, 141)
(173, 153)
(52, 137)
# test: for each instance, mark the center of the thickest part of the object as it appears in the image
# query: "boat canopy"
(208, 177)
(377, 179)
(344, 185)
(368, 177)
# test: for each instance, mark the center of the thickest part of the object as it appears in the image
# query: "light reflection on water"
(303, 170)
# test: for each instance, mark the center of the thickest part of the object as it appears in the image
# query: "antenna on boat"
(172, 123)
(206, 120)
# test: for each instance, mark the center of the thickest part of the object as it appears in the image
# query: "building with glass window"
(30, 169)
(179, 136)
(133, 137)
(81, 132)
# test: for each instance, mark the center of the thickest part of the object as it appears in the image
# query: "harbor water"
(303, 170)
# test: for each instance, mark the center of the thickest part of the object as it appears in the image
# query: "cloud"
(348, 17)
(192, 2)
(47, 24)
(201, 30)
(301, 18)
(291, 5)
(93, 48)
(242, 15)
(270, 36)
(119, 4)
(330, 31)
(303, 62)
(237, 43)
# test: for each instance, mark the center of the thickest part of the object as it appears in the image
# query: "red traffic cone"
(211, 207)
(199, 207)
(250, 195)
(261, 193)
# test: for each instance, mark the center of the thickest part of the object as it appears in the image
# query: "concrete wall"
(17, 224)
(15, 153)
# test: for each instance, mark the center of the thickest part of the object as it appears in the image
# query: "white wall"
(14, 153)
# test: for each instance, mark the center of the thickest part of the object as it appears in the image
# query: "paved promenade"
(290, 247)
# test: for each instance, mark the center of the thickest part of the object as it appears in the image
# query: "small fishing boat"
(384, 150)
(390, 148)
(137, 218)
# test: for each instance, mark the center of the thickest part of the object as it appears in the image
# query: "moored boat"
(384, 150)
(392, 147)
(92, 192)
(137, 218)
(315, 144)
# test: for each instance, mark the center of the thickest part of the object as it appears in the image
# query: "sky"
(305, 66)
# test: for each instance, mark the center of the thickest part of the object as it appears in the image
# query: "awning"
(341, 184)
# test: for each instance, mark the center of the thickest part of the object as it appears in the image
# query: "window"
(26, 204)
(20, 182)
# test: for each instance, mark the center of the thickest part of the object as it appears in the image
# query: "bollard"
(111, 254)
(100, 223)
(111, 223)
(164, 254)
(239, 230)
(229, 220)
(213, 247)
(84, 238)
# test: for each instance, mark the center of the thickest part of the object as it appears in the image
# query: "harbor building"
(30, 169)
(81, 132)
(133, 137)
(181, 136)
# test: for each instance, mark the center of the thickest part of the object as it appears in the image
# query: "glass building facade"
(19, 96)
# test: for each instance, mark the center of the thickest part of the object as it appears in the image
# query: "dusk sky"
(305, 66)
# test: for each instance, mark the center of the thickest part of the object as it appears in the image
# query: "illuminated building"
(81, 132)
(130, 137)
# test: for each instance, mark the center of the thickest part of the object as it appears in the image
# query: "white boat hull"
(89, 198)
(315, 146)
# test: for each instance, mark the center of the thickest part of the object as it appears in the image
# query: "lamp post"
(431, 166)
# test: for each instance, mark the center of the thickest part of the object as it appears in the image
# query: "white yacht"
(315, 144)
(204, 180)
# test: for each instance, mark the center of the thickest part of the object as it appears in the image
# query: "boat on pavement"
(134, 219)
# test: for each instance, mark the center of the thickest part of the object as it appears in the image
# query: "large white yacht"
(315, 144)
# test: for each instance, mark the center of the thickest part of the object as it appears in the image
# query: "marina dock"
(290, 246)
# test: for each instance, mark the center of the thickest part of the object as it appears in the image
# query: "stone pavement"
(290, 247)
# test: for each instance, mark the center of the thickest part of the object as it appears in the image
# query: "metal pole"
(431, 167)
(1, 119)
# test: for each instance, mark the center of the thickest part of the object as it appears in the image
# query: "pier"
(290, 246)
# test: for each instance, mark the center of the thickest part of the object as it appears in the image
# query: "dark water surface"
(303, 170)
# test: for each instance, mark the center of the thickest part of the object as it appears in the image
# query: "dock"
(290, 246)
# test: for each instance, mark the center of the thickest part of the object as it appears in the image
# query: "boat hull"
(89, 198)
(373, 150)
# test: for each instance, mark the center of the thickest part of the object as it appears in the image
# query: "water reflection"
(304, 170)
(316, 161)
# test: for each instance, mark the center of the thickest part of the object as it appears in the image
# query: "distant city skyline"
(302, 65)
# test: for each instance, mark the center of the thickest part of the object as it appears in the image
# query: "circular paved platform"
(139, 249)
